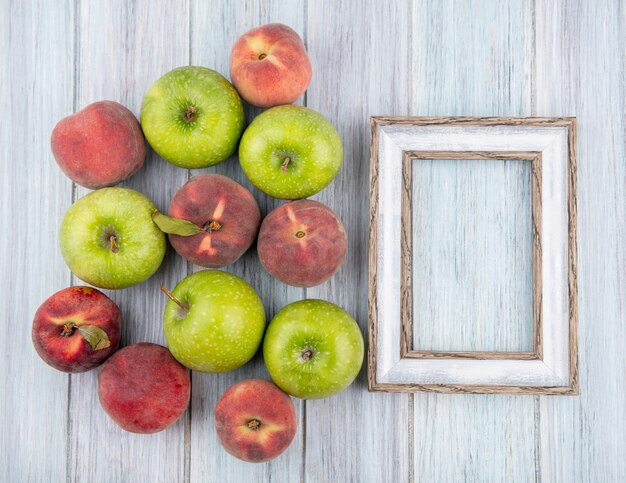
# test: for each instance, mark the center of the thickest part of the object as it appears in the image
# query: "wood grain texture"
(491, 389)
(372, 256)
(117, 45)
(473, 120)
(536, 175)
(486, 439)
(580, 70)
(214, 29)
(572, 255)
(433, 58)
(474, 424)
(36, 86)
(480, 355)
(406, 256)
(356, 436)
(475, 155)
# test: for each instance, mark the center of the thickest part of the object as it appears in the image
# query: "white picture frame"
(550, 145)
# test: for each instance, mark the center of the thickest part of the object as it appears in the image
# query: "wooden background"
(427, 57)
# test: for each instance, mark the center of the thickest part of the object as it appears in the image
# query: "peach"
(255, 421)
(228, 213)
(99, 146)
(269, 66)
(76, 329)
(302, 243)
(143, 388)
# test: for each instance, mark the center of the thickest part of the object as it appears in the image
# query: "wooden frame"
(397, 141)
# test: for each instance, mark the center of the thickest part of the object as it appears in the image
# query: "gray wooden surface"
(427, 57)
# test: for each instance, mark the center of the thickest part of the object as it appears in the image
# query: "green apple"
(213, 322)
(192, 117)
(313, 349)
(108, 238)
(290, 152)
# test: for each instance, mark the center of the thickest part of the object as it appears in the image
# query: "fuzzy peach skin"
(302, 243)
(99, 146)
(56, 335)
(143, 388)
(269, 66)
(255, 421)
(228, 212)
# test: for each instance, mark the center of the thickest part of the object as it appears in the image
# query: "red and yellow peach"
(143, 388)
(302, 243)
(255, 421)
(269, 66)
(59, 326)
(228, 213)
(99, 146)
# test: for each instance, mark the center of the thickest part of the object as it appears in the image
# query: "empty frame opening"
(471, 264)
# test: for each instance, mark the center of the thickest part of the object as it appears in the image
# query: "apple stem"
(174, 299)
(254, 424)
(307, 354)
(262, 56)
(190, 114)
(68, 329)
(285, 164)
(114, 248)
(300, 234)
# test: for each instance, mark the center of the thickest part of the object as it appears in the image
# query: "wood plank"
(581, 49)
(36, 81)
(473, 60)
(359, 51)
(214, 29)
(363, 65)
(124, 48)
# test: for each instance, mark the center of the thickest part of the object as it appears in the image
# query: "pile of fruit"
(214, 321)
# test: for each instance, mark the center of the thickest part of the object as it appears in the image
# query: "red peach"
(228, 213)
(99, 146)
(269, 66)
(143, 388)
(255, 421)
(76, 329)
(302, 243)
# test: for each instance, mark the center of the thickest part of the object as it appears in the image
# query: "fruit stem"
(212, 225)
(68, 329)
(262, 56)
(307, 354)
(114, 248)
(169, 294)
(285, 164)
(300, 234)
(190, 114)
(254, 424)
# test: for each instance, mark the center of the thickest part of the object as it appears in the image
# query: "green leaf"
(97, 337)
(175, 226)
